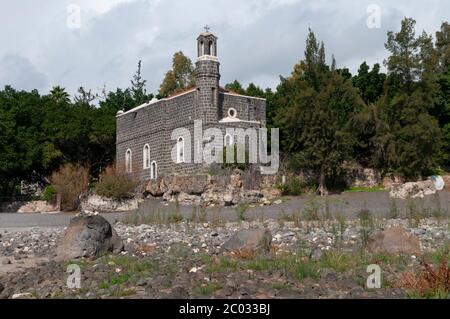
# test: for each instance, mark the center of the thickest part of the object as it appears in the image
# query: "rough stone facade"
(153, 123)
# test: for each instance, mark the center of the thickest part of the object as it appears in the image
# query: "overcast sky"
(43, 45)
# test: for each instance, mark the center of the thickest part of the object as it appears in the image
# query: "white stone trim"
(155, 102)
(251, 97)
(153, 175)
(207, 57)
(180, 149)
(145, 156)
(228, 135)
(129, 161)
(236, 120)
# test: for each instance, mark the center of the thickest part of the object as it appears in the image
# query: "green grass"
(435, 295)
(123, 292)
(241, 209)
(438, 256)
(209, 289)
(359, 189)
(132, 268)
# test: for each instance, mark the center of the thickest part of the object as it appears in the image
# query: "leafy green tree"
(369, 82)
(236, 87)
(256, 91)
(317, 104)
(180, 77)
(409, 138)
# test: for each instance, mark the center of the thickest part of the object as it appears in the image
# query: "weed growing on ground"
(372, 189)
(208, 289)
(366, 228)
(393, 210)
(431, 281)
(241, 209)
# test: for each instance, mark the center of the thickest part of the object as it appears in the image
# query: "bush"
(70, 181)
(430, 282)
(49, 193)
(114, 184)
(294, 186)
(234, 164)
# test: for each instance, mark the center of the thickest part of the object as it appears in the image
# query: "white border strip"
(251, 97)
(151, 103)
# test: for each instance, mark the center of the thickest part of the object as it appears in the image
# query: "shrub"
(294, 186)
(241, 209)
(235, 163)
(70, 181)
(114, 184)
(430, 282)
(49, 193)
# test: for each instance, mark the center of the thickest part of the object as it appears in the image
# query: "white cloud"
(258, 39)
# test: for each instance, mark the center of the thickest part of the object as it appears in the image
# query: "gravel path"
(347, 204)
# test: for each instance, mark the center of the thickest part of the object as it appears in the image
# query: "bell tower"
(207, 77)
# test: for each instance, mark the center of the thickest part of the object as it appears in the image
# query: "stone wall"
(358, 176)
(208, 190)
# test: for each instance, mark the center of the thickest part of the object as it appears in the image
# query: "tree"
(59, 95)
(85, 96)
(443, 46)
(317, 104)
(256, 91)
(409, 138)
(138, 90)
(370, 83)
(179, 78)
(236, 87)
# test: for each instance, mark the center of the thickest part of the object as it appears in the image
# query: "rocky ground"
(307, 259)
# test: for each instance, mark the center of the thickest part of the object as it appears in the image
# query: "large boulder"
(394, 240)
(220, 197)
(182, 198)
(236, 179)
(249, 239)
(189, 184)
(251, 196)
(413, 189)
(102, 204)
(88, 236)
(156, 187)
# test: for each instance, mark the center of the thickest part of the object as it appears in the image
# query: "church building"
(145, 141)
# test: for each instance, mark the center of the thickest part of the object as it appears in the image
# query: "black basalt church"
(144, 134)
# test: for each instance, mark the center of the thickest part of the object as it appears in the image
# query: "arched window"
(180, 150)
(202, 48)
(128, 161)
(146, 156)
(229, 140)
(210, 48)
(154, 170)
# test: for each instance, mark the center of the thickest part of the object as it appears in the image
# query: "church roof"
(207, 34)
(221, 90)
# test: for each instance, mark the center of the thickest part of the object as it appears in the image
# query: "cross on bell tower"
(207, 43)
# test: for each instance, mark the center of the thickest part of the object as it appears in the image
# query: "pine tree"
(138, 90)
